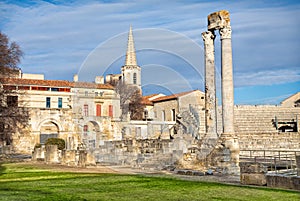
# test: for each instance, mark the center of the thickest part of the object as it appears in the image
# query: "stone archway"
(90, 134)
(48, 129)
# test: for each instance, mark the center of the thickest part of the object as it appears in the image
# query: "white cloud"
(267, 77)
(58, 37)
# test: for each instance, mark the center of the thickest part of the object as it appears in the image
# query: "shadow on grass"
(2, 169)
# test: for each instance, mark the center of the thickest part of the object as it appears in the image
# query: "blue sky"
(59, 39)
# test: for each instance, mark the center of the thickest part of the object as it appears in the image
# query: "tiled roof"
(150, 96)
(54, 83)
(91, 85)
(146, 101)
(171, 97)
(18, 81)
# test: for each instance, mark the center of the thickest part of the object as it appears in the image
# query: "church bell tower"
(131, 72)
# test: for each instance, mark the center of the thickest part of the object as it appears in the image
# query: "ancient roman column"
(227, 81)
(210, 84)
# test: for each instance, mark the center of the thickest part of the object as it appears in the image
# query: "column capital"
(225, 32)
(208, 36)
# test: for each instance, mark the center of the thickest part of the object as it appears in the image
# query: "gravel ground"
(128, 170)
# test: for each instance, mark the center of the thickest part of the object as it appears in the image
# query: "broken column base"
(225, 156)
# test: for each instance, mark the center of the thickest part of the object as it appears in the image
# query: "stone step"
(263, 127)
(254, 126)
(242, 123)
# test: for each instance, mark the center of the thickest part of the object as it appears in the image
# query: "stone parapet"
(283, 181)
(253, 173)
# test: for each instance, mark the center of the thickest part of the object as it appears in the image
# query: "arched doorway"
(48, 129)
(91, 130)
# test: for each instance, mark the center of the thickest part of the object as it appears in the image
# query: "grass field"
(28, 182)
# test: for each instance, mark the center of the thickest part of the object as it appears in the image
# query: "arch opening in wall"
(90, 131)
(48, 129)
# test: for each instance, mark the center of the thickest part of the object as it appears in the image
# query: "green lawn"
(27, 182)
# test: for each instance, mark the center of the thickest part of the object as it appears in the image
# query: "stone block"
(250, 167)
(258, 179)
(51, 154)
(218, 20)
(38, 154)
(298, 164)
(281, 181)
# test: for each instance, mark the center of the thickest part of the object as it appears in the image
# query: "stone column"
(227, 81)
(210, 84)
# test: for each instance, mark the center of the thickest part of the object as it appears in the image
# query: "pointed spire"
(130, 54)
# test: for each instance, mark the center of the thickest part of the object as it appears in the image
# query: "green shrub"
(56, 141)
(37, 145)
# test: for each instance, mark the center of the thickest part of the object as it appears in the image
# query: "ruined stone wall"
(50, 154)
(196, 98)
(25, 140)
(280, 181)
(192, 109)
(152, 153)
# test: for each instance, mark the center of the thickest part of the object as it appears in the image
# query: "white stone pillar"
(227, 81)
(210, 84)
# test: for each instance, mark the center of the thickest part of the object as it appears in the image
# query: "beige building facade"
(82, 114)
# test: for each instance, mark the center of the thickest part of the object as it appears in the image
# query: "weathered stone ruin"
(194, 136)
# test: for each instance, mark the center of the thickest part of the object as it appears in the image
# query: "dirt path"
(128, 170)
(64, 168)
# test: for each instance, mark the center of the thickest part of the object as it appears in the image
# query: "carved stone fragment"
(218, 20)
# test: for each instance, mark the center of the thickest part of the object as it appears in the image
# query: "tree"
(130, 100)
(10, 56)
(12, 117)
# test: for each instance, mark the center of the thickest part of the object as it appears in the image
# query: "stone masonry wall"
(260, 118)
(155, 153)
(284, 140)
(255, 128)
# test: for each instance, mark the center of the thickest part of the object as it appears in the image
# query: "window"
(24, 87)
(12, 101)
(40, 88)
(110, 110)
(9, 87)
(163, 115)
(146, 114)
(134, 78)
(48, 102)
(98, 110)
(86, 93)
(64, 89)
(173, 115)
(86, 110)
(85, 129)
(59, 102)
